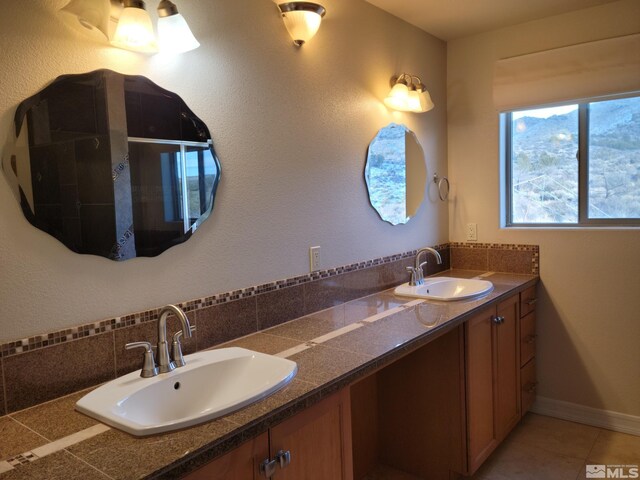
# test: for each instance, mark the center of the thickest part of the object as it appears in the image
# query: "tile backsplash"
(496, 257)
(47, 366)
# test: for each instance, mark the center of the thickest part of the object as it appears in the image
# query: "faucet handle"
(180, 333)
(176, 347)
(414, 276)
(149, 366)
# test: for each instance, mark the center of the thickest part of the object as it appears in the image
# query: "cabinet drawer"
(528, 301)
(529, 385)
(527, 338)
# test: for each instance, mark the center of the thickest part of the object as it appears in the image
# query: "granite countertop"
(333, 348)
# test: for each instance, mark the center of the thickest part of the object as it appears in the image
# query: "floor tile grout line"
(542, 429)
(593, 445)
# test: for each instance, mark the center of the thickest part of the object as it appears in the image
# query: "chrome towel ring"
(443, 186)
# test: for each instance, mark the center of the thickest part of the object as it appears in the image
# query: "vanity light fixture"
(302, 20)
(135, 30)
(408, 94)
(133, 25)
(174, 34)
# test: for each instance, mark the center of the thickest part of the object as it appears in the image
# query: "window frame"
(506, 149)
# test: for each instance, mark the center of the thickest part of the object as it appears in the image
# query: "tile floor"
(545, 448)
(552, 449)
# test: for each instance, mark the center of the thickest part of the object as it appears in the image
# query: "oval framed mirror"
(112, 165)
(396, 174)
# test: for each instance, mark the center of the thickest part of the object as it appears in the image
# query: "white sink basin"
(446, 289)
(212, 384)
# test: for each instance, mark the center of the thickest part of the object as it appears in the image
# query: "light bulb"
(135, 30)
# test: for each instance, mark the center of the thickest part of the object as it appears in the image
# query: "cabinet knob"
(283, 458)
(498, 320)
(531, 301)
(268, 468)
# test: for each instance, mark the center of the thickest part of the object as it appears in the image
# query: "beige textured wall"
(291, 128)
(589, 315)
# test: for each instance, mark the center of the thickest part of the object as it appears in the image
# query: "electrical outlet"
(314, 259)
(472, 232)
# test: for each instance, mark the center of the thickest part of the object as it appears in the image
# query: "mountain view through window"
(545, 173)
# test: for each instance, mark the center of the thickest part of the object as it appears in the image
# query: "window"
(573, 165)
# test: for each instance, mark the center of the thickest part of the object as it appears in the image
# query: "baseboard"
(618, 422)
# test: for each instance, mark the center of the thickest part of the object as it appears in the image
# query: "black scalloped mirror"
(396, 174)
(112, 165)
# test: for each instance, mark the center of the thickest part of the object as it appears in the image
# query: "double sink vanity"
(428, 387)
(427, 378)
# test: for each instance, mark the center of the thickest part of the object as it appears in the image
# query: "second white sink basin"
(212, 384)
(446, 289)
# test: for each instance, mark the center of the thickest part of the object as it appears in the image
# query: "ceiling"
(450, 19)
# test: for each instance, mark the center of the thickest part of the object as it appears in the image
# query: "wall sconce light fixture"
(302, 20)
(134, 28)
(408, 94)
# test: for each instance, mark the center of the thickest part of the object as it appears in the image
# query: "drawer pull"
(283, 458)
(531, 301)
(531, 387)
(498, 320)
(268, 468)
(530, 338)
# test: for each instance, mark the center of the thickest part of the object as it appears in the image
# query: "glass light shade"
(302, 25)
(413, 102)
(398, 97)
(174, 35)
(426, 103)
(135, 31)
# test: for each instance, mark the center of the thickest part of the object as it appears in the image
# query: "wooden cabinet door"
(507, 367)
(319, 440)
(480, 401)
(241, 463)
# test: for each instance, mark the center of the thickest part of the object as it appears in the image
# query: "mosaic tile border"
(535, 249)
(496, 246)
(45, 340)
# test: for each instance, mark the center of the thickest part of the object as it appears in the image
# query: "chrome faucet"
(417, 274)
(165, 364)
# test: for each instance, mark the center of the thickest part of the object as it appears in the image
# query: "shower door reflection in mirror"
(112, 165)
